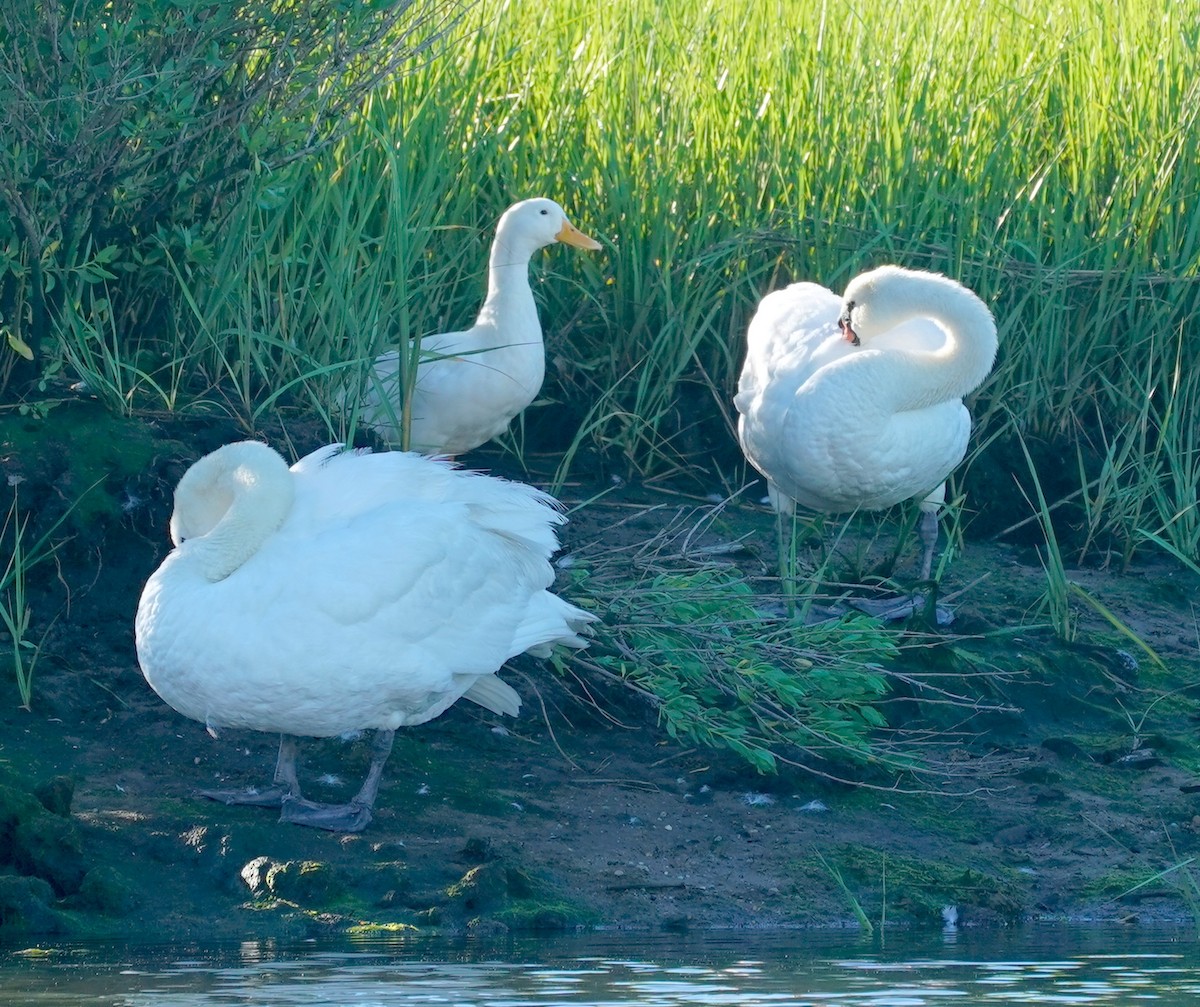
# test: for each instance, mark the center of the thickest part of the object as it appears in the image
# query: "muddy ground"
(1073, 790)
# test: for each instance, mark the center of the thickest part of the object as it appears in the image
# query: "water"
(1094, 967)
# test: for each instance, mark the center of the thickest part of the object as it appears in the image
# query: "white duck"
(472, 383)
(856, 402)
(351, 591)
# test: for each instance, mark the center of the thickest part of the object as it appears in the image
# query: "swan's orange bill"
(571, 235)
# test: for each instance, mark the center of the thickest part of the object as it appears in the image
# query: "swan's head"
(233, 498)
(536, 223)
(883, 298)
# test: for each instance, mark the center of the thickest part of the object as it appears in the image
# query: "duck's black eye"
(543, 212)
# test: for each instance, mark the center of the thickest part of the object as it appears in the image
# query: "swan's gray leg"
(787, 572)
(286, 783)
(785, 532)
(285, 765)
(929, 537)
(353, 816)
(928, 529)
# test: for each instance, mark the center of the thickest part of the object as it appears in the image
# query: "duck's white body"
(836, 426)
(350, 591)
(471, 384)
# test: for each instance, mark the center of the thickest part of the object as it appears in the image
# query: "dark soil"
(582, 812)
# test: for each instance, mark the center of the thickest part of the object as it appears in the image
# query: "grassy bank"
(1046, 157)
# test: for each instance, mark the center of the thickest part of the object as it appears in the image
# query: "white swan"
(351, 591)
(856, 402)
(473, 383)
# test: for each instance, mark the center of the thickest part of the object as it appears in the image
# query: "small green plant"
(855, 906)
(1056, 599)
(723, 675)
(15, 611)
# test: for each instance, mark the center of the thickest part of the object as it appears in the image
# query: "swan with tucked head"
(349, 592)
(856, 402)
(471, 384)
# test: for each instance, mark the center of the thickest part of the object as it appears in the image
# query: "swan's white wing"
(792, 335)
(922, 334)
(793, 330)
(833, 451)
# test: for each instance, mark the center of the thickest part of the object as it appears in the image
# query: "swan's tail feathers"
(494, 694)
(556, 623)
(521, 514)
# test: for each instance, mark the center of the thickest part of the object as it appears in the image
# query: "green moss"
(381, 928)
(91, 454)
(1118, 884)
(544, 917)
(26, 907)
(107, 891)
(305, 882)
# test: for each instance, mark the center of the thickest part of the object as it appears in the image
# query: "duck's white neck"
(226, 511)
(509, 296)
(923, 378)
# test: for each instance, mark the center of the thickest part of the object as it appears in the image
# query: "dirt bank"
(1075, 784)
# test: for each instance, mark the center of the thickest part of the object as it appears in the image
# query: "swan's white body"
(471, 384)
(348, 592)
(351, 591)
(837, 425)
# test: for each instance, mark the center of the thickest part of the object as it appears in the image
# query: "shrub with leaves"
(128, 124)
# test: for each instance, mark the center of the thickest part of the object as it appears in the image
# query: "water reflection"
(798, 969)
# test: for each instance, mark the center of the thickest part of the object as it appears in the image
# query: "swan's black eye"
(845, 326)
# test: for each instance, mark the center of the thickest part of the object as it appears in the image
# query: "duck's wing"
(441, 393)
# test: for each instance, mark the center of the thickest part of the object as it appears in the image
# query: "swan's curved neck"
(244, 504)
(926, 377)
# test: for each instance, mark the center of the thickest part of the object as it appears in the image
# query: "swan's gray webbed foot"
(352, 817)
(267, 797)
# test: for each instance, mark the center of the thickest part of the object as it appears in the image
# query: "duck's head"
(875, 302)
(540, 222)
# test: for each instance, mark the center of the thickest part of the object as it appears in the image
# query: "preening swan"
(856, 402)
(473, 383)
(349, 592)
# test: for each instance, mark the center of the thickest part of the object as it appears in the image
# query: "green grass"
(21, 556)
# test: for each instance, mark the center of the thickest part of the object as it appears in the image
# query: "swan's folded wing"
(787, 330)
(333, 484)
